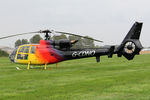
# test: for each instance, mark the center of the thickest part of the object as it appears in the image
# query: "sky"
(106, 20)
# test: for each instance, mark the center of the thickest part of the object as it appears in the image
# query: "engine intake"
(63, 43)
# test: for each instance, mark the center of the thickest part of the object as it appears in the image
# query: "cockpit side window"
(33, 49)
(15, 51)
(26, 49)
(26, 57)
(21, 49)
(20, 56)
(23, 53)
(13, 54)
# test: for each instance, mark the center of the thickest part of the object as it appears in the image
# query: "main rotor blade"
(78, 36)
(18, 35)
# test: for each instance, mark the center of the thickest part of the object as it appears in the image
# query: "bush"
(3, 53)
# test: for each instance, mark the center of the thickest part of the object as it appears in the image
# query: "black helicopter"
(52, 51)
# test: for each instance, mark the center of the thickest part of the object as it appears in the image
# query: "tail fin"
(134, 32)
(131, 45)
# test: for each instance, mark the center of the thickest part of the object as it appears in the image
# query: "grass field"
(84, 79)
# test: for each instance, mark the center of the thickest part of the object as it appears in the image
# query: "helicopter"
(53, 51)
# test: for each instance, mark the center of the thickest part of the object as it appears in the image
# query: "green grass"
(84, 79)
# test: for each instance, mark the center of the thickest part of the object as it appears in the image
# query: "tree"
(97, 46)
(35, 39)
(88, 43)
(24, 41)
(58, 37)
(18, 43)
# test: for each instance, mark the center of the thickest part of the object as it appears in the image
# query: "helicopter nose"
(13, 54)
(11, 58)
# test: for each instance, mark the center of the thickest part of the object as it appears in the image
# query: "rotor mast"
(47, 36)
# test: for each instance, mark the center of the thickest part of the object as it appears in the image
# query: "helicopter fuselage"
(45, 53)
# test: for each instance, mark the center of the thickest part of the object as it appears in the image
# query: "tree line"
(82, 42)
(33, 40)
(3, 53)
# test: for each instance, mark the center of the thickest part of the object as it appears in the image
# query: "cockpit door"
(33, 58)
(23, 54)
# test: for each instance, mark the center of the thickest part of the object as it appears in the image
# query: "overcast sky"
(107, 20)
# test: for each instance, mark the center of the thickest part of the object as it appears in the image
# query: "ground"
(84, 79)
